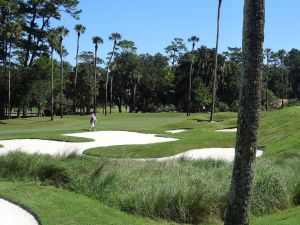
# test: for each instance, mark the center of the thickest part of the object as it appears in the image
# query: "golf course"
(107, 185)
(149, 112)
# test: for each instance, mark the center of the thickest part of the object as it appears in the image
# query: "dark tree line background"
(138, 83)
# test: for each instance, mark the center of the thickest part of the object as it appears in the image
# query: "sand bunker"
(233, 130)
(11, 214)
(111, 138)
(176, 131)
(101, 139)
(226, 154)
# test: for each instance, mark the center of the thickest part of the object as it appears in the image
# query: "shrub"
(223, 107)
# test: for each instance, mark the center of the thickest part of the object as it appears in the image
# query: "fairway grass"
(152, 189)
(288, 217)
(55, 206)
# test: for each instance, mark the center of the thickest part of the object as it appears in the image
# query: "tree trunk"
(111, 97)
(190, 85)
(95, 79)
(76, 75)
(248, 118)
(134, 97)
(52, 74)
(267, 79)
(9, 79)
(62, 80)
(107, 77)
(216, 65)
(282, 87)
(120, 104)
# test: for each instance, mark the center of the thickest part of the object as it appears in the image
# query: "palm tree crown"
(194, 40)
(63, 32)
(97, 40)
(115, 37)
(80, 29)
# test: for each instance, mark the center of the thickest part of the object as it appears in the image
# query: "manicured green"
(56, 206)
(278, 131)
(288, 217)
(43, 128)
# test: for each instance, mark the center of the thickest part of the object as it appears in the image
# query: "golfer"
(92, 122)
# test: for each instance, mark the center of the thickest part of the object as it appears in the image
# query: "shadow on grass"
(207, 121)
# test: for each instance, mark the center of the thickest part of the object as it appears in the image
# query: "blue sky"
(153, 24)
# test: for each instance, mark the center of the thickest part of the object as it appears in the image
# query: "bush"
(293, 102)
(223, 107)
(166, 108)
(20, 166)
(271, 190)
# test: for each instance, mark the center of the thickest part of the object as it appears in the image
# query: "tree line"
(184, 78)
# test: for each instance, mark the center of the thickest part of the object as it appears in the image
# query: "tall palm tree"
(268, 53)
(248, 117)
(96, 41)
(14, 32)
(193, 40)
(115, 37)
(80, 29)
(281, 55)
(63, 32)
(216, 64)
(52, 39)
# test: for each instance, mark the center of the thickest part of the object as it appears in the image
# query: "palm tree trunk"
(248, 118)
(190, 89)
(190, 83)
(52, 73)
(216, 65)
(107, 77)
(111, 87)
(267, 79)
(9, 80)
(282, 86)
(62, 81)
(95, 79)
(76, 75)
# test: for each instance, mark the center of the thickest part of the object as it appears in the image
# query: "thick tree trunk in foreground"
(248, 119)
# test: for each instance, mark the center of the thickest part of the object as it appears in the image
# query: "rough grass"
(181, 191)
(56, 206)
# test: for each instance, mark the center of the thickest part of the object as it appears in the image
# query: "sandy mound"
(226, 154)
(11, 214)
(101, 139)
(233, 130)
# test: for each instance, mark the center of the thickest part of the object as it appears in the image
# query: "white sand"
(111, 138)
(11, 214)
(101, 139)
(176, 131)
(226, 154)
(228, 130)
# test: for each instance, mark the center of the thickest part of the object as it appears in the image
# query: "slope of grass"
(55, 206)
(288, 217)
(280, 131)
